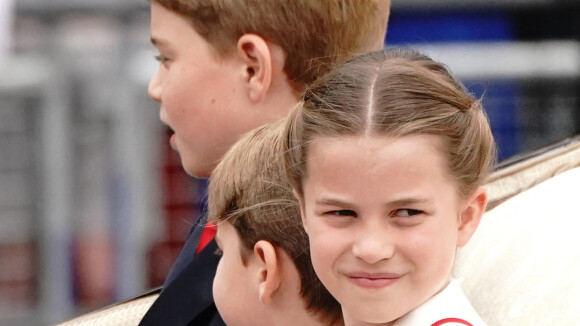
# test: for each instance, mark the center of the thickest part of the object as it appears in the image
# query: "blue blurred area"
(433, 27)
(499, 97)
(499, 101)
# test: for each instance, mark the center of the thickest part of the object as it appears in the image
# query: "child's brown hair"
(248, 189)
(395, 92)
(314, 34)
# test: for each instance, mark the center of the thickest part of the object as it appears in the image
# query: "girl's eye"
(218, 252)
(407, 212)
(342, 212)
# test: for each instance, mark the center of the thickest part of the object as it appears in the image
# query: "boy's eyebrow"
(157, 41)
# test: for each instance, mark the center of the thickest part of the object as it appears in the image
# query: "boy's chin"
(197, 170)
(197, 174)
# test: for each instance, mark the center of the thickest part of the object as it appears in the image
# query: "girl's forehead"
(380, 155)
(373, 143)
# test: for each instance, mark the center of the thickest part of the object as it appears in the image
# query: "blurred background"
(94, 205)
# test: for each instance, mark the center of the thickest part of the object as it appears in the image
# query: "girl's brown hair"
(395, 92)
(249, 190)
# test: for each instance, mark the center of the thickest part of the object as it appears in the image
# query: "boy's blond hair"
(314, 34)
(248, 189)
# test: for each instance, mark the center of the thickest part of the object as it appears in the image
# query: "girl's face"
(384, 220)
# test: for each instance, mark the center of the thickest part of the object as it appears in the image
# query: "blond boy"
(265, 276)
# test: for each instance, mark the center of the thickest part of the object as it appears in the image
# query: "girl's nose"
(373, 244)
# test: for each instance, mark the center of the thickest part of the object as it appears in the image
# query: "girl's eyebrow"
(398, 202)
(332, 202)
(409, 201)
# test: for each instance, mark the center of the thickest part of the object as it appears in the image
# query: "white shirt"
(449, 307)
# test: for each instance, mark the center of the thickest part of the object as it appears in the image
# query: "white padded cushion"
(127, 313)
(522, 266)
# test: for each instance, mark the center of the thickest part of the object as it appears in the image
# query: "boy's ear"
(257, 59)
(269, 270)
(471, 215)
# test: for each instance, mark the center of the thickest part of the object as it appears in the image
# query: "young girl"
(387, 156)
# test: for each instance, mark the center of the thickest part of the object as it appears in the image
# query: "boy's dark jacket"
(186, 297)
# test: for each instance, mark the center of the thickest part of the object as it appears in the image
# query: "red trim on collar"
(452, 320)
(208, 233)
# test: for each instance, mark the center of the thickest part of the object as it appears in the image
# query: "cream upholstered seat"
(128, 313)
(523, 263)
(521, 266)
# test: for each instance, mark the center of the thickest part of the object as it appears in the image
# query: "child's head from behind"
(387, 156)
(265, 274)
(227, 67)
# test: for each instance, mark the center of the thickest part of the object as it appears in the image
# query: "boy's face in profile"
(234, 292)
(200, 93)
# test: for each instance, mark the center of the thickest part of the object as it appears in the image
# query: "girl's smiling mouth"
(373, 280)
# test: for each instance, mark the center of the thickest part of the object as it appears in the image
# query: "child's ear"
(258, 66)
(269, 270)
(471, 215)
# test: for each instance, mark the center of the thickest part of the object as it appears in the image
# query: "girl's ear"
(471, 215)
(257, 60)
(269, 271)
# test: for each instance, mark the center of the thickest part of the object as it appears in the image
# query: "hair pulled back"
(394, 92)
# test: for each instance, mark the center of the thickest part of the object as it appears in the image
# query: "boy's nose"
(373, 244)
(154, 89)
